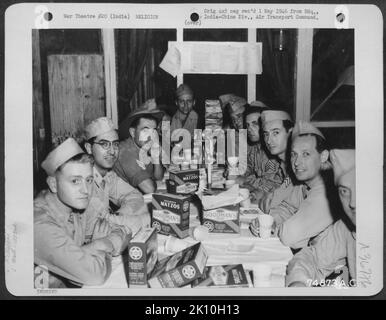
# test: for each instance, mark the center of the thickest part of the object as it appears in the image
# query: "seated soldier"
(277, 127)
(102, 142)
(134, 164)
(235, 106)
(185, 117)
(304, 211)
(261, 174)
(59, 227)
(337, 243)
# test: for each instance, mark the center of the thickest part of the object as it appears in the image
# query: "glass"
(107, 144)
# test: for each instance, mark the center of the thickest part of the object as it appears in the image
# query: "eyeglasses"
(106, 145)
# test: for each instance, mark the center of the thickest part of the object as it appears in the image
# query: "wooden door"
(76, 93)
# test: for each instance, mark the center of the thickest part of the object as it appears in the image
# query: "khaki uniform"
(263, 175)
(190, 123)
(132, 212)
(59, 236)
(331, 249)
(301, 213)
(129, 167)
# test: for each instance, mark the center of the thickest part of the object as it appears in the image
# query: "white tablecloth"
(224, 249)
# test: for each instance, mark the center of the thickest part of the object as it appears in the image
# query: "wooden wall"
(76, 93)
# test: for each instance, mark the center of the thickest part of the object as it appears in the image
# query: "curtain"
(275, 85)
(133, 48)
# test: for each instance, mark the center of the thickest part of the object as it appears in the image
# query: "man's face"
(144, 131)
(252, 122)
(185, 103)
(74, 184)
(347, 189)
(306, 161)
(105, 150)
(275, 137)
(237, 119)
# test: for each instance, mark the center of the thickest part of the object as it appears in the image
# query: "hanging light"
(280, 40)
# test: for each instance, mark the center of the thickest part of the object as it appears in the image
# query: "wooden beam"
(110, 74)
(251, 87)
(333, 124)
(303, 72)
(180, 38)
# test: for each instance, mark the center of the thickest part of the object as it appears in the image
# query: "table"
(223, 249)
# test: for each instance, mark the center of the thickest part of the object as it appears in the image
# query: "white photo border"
(20, 19)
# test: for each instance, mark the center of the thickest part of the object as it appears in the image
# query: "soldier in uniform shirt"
(302, 210)
(264, 172)
(60, 227)
(277, 127)
(185, 117)
(102, 142)
(336, 246)
(137, 164)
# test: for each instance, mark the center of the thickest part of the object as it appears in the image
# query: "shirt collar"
(98, 179)
(58, 207)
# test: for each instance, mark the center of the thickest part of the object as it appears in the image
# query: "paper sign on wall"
(213, 57)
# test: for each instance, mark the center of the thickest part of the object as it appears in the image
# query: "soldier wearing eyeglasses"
(185, 117)
(109, 190)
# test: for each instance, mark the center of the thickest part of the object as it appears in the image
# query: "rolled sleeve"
(312, 218)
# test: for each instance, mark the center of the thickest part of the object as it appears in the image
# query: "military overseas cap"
(184, 89)
(271, 115)
(99, 126)
(343, 161)
(148, 108)
(304, 127)
(62, 153)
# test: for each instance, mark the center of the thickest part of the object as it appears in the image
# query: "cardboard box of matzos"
(142, 257)
(227, 276)
(179, 269)
(222, 220)
(170, 214)
(183, 182)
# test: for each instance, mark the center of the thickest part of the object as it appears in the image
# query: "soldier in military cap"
(136, 164)
(103, 143)
(263, 174)
(60, 226)
(337, 243)
(302, 210)
(235, 106)
(185, 117)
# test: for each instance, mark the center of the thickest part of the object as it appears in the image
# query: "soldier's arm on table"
(311, 219)
(118, 236)
(61, 255)
(128, 198)
(147, 186)
(319, 260)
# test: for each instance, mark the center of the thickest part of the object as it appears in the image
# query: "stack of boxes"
(213, 115)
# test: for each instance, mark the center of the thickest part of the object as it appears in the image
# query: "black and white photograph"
(219, 156)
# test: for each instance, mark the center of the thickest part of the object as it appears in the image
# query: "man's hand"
(254, 227)
(101, 229)
(99, 246)
(240, 180)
